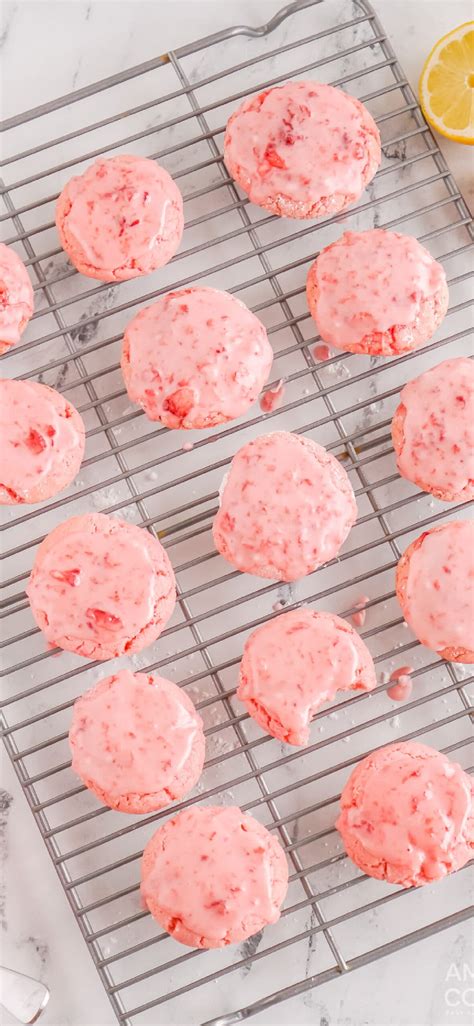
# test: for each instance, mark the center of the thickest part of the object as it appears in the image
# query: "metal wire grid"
(332, 914)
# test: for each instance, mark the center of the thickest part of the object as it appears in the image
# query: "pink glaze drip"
(298, 661)
(321, 352)
(372, 281)
(92, 587)
(214, 876)
(358, 618)
(402, 689)
(133, 734)
(440, 587)
(33, 436)
(438, 427)
(16, 297)
(286, 505)
(197, 356)
(271, 399)
(409, 806)
(307, 139)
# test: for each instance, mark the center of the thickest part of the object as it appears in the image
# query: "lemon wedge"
(446, 88)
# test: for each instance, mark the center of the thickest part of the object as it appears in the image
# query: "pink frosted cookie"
(196, 358)
(295, 663)
(376, 292)
(16, 298)
(137, 742)
(433, 431)
(435, 588)
(123, 217)
(101, 587)
(213, 876)
(287, 506)
(407, 815)
(303, 149)
(42, 442)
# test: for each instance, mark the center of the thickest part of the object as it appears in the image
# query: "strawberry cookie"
(303, 149)
(213, 876)
(433, 431)
(196, 358)
(123, 217)
(42, 442)
(286, 508)
(407, 815)
(101, 587)
(435, 588)
(137, 742)
(16, 298)
(295, 663)
(376, 292)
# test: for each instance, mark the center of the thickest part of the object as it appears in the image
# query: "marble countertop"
(65, 46)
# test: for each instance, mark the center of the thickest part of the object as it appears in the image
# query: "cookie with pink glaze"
(121, 218)
(435, 588)
(407, 815)
(43, 442)
(101, 587)
(297, 662)
(376, 292)
(433, 430)
(137, 742)
(303, 149)
(213, 876)
(286, 508)
(196, 358)
(16, 298)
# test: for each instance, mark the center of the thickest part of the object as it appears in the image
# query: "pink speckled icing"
(437, 451)
(133, 739)
(197, 357)
(16, 297)
(370, 282)
(123, 217)
(439, 591)
(295, 663)
(286, 507)
(42, 441)
(101, 587)
(407, 815)
(302, 149)
(213, 876)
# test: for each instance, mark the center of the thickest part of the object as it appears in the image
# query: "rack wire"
(174, 109)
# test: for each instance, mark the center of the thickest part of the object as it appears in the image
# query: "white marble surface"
(48, 49)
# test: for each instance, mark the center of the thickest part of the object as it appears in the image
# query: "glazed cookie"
(43, 442)
(407, 815)
(101, 587)
(196, 358)
(433, 431)
(16, 298)
(213, 876)
(295, 663)
(303, 149)
(376, 292)
(137, 742)
(286, 508)
(121, 218)
(435, 588)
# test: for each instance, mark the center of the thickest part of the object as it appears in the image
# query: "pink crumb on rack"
(187, 446)
(271, 399)
(358, 618)
(321, 352)
(403, 685)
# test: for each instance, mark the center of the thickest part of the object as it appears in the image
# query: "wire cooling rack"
(174, 108)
